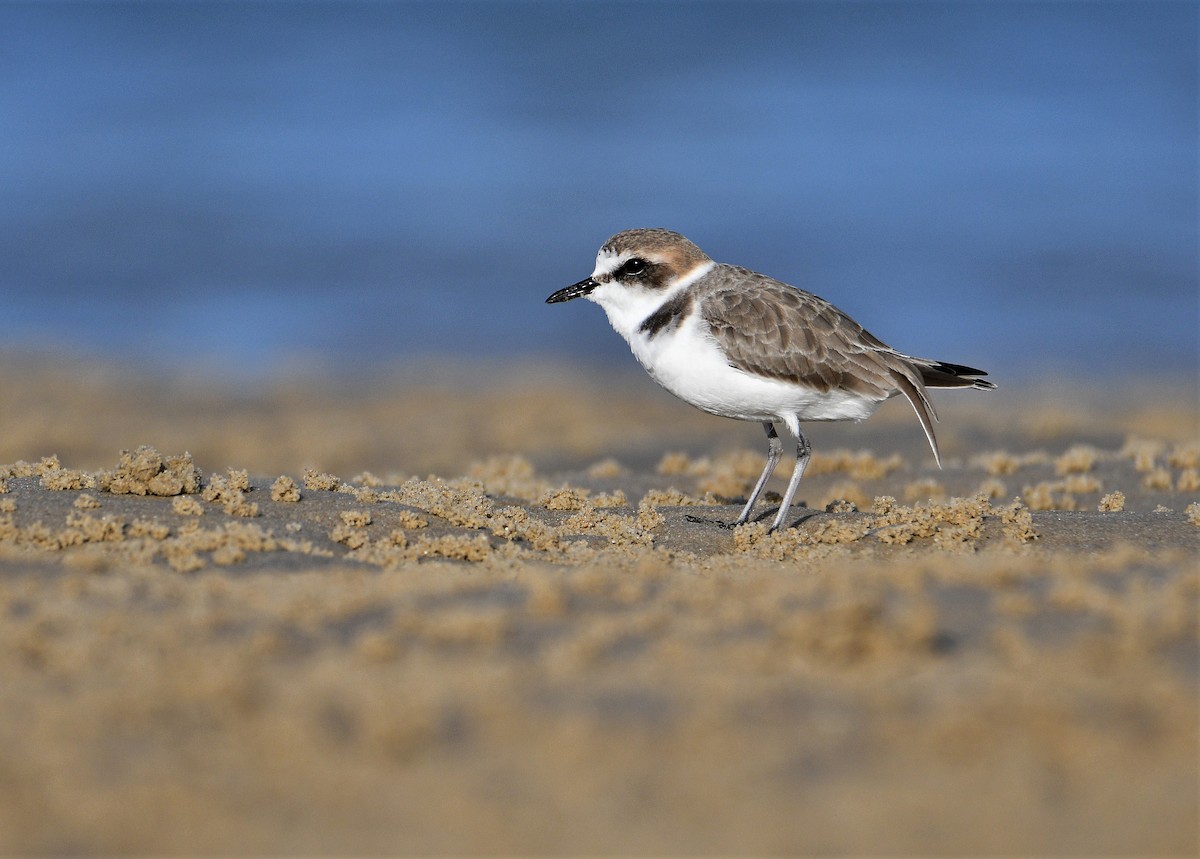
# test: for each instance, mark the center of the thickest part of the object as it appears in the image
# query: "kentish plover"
(742, 345)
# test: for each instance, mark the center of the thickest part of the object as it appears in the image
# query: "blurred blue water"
(1010, 185)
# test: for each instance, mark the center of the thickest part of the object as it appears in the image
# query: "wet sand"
(504, 616)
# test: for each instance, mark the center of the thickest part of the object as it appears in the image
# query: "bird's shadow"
(763, 516)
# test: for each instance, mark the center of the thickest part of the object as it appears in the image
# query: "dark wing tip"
(947, 375)
(958, 369)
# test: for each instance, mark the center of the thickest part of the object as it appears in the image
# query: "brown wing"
(780, 332)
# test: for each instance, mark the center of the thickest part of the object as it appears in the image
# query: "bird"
(739, 344)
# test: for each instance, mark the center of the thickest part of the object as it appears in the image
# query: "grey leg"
(774, 451)
(803, 451)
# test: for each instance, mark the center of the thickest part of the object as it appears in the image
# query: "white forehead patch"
(607, 262)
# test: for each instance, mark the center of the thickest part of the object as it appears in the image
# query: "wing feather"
(771, 329)
(775, 330)
(780, 332)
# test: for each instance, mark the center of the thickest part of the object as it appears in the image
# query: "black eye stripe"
(642, 272)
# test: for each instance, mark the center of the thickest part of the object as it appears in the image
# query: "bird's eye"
(635, 266)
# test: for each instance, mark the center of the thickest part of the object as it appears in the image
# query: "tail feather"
(934, 374)
(915, 394)
(945, 375)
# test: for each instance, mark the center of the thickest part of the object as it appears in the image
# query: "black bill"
(575, 290)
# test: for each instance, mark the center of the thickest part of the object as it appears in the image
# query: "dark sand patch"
(545, 652)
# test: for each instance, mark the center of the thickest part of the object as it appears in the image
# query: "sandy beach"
(502, 613)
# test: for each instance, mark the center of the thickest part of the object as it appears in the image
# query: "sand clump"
(86, 502)
(230, 492)
(145, 471)
(1002, 462)
(1078, 459)
(565, 498)
(285, 489)
(187, 506)
(1113, 502)
(509, 476)
(672, 497)
(1192, 511)
(321, 481)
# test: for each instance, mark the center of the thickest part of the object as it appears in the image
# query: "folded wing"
(777, 331)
